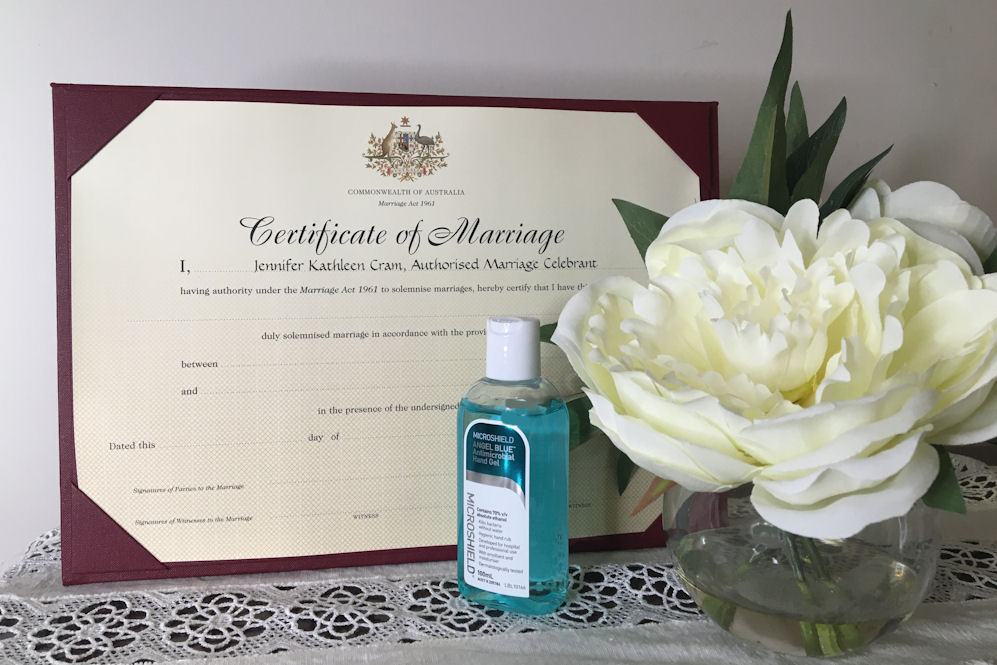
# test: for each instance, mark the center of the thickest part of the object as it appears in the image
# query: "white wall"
(922, 75)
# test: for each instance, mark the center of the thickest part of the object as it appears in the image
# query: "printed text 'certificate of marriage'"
(276, 308)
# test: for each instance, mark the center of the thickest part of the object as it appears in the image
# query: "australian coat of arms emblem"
(405, 154)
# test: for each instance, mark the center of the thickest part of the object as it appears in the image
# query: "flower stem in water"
(819, 639)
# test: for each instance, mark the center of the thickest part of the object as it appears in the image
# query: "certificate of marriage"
(275, 308)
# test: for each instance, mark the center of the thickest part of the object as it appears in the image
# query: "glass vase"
(799, 595)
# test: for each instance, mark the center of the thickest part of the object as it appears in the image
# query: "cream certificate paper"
(277, 307)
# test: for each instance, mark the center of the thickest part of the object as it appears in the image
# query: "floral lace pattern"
(344, 612)
(82, 635)
(217, 622)
(967, 571)
(9, 620)
(43, 622)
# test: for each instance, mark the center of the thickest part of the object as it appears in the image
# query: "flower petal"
(702, 420)
(857, 441)
(944, 326)
(866, 205)
(979, 424)
(845, 477)
(934, 203)
(950, 239)
(789, 437)
(695, 467)
(580, 315)
(845, 516)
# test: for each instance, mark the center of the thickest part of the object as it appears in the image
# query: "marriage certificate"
(275, 307)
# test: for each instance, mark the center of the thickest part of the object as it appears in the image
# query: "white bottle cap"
(513, 345)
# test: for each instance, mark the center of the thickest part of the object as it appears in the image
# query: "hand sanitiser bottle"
(512, 436)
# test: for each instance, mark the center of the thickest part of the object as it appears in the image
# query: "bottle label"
(495, 508)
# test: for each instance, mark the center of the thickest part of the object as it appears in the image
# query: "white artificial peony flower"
(935, 212)
(817, 366)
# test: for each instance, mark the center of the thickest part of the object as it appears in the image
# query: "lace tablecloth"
(623, 607)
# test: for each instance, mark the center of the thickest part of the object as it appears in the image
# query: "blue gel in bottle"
(512, 438)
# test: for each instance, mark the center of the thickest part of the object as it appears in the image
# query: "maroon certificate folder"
(114, 258)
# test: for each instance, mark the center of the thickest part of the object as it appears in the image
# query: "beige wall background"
(918, 74)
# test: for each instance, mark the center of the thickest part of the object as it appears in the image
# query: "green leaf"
(849, 188)
(624, 471)
(990, 266)
(546, 331)
(796, 121)
(811, 182)
(578, 419)
(806, 167)
(945, 493)
(762, 176)
(643, 224)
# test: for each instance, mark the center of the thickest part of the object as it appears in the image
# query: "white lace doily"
(43, 622)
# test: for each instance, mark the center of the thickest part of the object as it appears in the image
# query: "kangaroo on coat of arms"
(404, 154)
(386, 141)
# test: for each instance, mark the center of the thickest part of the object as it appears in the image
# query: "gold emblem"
(405, 154)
